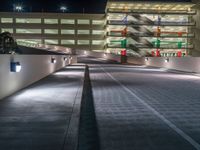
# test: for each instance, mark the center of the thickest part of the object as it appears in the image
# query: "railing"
(152, 34)
(191, 12)
(186, 46)
(140, 46)
(155, 23)
(51, 48)
(174, 23)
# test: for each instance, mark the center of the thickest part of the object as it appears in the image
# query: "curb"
(71, 140)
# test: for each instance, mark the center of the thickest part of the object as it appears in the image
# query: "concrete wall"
(31, 50)
(99, 55)
(196, 30)
(188, 64)
(34, 68)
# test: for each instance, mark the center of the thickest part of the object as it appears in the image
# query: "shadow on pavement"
(88, 131)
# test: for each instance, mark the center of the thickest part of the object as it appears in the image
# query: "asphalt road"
(144, 108)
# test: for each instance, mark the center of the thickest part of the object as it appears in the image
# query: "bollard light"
(166, 60)
(53, 60)
(146, 59)
(15, 67)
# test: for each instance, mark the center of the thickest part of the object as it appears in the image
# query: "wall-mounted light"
(53, 60)
(56, 48)
(85, 52)
(15, 67)
(146, 59)
(67, 50)
(65, 58)
(46, 46)
(166, 60)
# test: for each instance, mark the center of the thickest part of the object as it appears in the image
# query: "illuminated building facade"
(78, 31)
(137, 28)
(150, 28)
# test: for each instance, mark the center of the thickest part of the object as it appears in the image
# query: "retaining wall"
(34, 68)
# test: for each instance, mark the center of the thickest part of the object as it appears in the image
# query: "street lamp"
(63, 8)
(18, 8)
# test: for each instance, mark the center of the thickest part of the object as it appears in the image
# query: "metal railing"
(191, 12)
(154, 23)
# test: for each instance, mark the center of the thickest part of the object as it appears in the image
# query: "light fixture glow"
(65, 58)
(18, 68)
(166, 60)
(15, 67)
(63, 8)
(53, 60)
(18, 8)
(56, 48)
(46, 46)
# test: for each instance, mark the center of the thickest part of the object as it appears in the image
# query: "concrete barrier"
(34, 68)
(33, 48)
(99, 55)
(187, 64)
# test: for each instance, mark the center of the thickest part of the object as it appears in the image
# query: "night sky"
(74, 6)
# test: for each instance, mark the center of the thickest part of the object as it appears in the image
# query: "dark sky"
(74, 6)
(97, 6)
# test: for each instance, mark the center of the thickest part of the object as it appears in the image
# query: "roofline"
(145, 1)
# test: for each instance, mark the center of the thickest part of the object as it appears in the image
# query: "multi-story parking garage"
(140, 28)
(153, 29)
(52, 98)
(80, 31)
